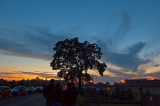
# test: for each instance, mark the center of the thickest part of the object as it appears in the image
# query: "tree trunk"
(79, 84)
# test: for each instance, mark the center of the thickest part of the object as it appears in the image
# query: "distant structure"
(152, 86)
(140, 83)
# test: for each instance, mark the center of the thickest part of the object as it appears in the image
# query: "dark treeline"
(92, 89)
(40, 82)
(32, 82)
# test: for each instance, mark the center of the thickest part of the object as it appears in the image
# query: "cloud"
(145, 77)
(106, 78)
(117, 28)
(27, 41)
(149, 68)
(155, 75)
(156, 65)
(42, 74)
(124, 63)
(7, 73)
(110, 74)
(123, 27)
(6, 76)
(106, 73)
(128, 59)
(19, 74)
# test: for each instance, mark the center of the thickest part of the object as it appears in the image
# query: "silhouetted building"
(142, 83)
(150, 85)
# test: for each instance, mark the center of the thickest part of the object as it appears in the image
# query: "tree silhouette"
(108, 84)
(73, 59)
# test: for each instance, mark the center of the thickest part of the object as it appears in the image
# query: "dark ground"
(28, 100)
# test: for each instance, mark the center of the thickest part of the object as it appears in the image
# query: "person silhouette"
(70, 95)
(58, 96)
(75, 90)
(48, 92)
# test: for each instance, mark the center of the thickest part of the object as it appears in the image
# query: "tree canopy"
(73, 59)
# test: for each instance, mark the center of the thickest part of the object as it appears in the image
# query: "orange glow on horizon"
(26, 77)
(94, 82)
(122, 81)
(147, 77)
(108, 88)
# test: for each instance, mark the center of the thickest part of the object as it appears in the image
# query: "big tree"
(73, 59)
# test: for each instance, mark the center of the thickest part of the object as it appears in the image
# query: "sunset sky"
(128, 32)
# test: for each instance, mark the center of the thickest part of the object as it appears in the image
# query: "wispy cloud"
(145, 77)
(42, 74)
(27, 41)
(128, 60)
(22, 74)
(6, 76)
(7, 73)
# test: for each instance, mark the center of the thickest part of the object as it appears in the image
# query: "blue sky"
(128, 31)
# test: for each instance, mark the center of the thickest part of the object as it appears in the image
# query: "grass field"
(80, 100)
(110, 104)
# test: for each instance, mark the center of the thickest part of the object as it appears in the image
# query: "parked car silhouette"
(5, 91)
(39, 88)
(31, 89)
(19, 90)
